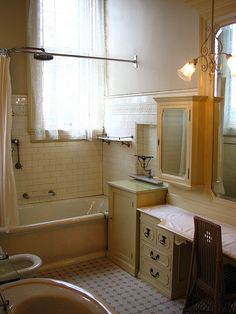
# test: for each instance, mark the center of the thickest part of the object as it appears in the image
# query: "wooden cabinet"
(123, 224)
(181, 139)
(163, 263)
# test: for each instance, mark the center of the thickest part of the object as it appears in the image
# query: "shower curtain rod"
(41, 54)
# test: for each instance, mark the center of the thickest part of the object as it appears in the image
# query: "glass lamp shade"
(232, 65)
(186, 72)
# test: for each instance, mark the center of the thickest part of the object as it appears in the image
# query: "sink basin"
(47, 296)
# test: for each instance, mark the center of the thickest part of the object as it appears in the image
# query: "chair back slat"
(208, 291)
(208, 253)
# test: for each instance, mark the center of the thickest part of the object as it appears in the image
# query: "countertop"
(135, 186)
(181, 222)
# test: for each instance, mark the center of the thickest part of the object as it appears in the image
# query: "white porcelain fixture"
(26, 265)
(42, 295)
(74, 219)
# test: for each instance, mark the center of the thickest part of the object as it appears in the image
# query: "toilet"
(26, 265)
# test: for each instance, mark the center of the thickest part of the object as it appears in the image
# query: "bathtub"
(60, 232)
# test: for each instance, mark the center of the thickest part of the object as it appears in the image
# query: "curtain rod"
(42, 55)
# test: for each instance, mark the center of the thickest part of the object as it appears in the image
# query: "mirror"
(224, 169)
(174, 141)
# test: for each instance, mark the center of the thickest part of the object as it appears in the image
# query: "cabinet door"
(181, 139)
(174, 141)
(174, 133)
(122, 229)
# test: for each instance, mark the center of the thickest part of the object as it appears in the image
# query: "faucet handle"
(51, 192)
(3, 255)
(149, 172)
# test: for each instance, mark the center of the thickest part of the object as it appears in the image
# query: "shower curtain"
(8, 199)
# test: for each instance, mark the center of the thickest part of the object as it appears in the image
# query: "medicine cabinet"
(181, 126)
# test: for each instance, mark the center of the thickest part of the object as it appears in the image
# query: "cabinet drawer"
(148, 232)
(156, 274)
(164, 240)
(154, 255)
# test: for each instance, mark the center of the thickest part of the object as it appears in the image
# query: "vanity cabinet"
(123, 223)
(181, 139)
(164, 258)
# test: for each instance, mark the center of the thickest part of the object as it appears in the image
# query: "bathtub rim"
(52, 201)
(53, 224)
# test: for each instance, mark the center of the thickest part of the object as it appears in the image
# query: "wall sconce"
(208, 54)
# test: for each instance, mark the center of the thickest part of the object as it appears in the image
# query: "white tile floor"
(126, 294)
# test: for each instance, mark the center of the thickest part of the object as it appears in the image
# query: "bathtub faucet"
(3, 255)
(51, 192)
(26, 196)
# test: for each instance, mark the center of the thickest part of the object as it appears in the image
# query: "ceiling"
(222, 7)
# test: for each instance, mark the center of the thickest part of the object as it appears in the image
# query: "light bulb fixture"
(210, 58)
(187, 70)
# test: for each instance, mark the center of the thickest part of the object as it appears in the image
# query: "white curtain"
(225, 113)
(228, 38)
(8, 197)
(66, 94)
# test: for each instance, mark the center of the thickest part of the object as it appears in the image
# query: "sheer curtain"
(8, 197)
(228, 37)
(225, 113)
(66, 94)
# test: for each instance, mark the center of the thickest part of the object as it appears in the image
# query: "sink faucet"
(3, 255)
(4, 304)
(149, 172)
(144, 161)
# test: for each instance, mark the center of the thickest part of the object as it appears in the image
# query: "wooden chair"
(211, 285)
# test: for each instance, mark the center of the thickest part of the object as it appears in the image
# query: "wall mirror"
(224, 163)
(174, 141)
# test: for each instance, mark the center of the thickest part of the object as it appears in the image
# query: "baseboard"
(74, 260)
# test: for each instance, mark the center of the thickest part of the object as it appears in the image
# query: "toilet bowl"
(26, 265)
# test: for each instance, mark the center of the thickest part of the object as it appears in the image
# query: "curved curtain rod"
(38, 51)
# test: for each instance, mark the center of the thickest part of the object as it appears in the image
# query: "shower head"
(43, 56)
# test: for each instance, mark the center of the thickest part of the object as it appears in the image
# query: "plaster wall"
(163, 34)
(13, 22)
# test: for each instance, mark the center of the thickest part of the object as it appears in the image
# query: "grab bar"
(18, 164)
(27, 197)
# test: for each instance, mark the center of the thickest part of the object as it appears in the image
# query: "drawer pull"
(163, 240)
(147, 233)
(155, 258)
(156, 275)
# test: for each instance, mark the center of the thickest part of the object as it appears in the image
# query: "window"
(66, 94)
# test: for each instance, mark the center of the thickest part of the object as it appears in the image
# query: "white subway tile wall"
(71, 169)
(123, 115)
(147, 146)
(135, 115)
(82, 168)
